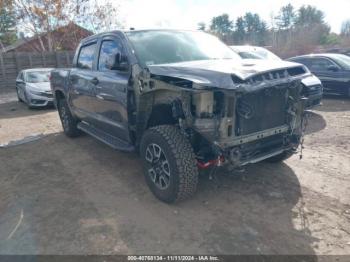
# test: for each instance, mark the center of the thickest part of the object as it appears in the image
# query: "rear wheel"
(69, 123)
(169, 163)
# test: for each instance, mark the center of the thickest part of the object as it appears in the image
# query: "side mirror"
(333, 68)
(120, 63)
(19, 81)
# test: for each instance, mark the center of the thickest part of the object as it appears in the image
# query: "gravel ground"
(78, 196)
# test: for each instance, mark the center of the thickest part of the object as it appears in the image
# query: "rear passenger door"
(111, 88)
(81, 83)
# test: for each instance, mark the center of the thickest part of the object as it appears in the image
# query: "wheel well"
(161, 115)
(59, 95)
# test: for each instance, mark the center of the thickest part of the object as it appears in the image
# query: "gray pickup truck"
(182, 99)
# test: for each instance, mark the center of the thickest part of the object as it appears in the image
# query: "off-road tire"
(182, 163)
(279, 157)
(69, 123)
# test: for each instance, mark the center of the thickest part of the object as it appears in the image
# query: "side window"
(20, 76)
(86, 56)
(320, 64)
(108, 52)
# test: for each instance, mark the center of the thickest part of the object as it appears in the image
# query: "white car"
(33, 87)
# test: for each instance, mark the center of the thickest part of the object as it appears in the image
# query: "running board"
(112, 141)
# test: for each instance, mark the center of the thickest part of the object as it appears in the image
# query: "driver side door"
(111, 89)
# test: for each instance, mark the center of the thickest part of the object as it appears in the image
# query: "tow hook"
(213, 162)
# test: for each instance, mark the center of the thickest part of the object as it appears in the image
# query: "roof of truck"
(119, 32)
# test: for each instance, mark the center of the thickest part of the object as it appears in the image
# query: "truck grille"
(261, 110)
(271, 75)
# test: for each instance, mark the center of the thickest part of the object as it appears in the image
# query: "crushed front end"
(260, 119)
(233, 114)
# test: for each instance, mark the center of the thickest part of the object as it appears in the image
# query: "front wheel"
(18, 96)
(169, 163)
(69, 123)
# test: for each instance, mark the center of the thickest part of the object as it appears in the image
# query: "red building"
(63, 38)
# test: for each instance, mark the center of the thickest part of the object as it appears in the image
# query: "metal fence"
(12, 63)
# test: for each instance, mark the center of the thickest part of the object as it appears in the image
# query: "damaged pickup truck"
(184, 100)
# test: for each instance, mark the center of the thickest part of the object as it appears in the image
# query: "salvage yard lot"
(78, 196)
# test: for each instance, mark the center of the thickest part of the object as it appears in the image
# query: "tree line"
(35, 17)
(292, 31)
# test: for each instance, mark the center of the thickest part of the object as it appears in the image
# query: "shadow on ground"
(16, 109)
(332, 103)
(78, 196)
(315, 123)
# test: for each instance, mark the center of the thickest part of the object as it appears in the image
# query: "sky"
(182, 14)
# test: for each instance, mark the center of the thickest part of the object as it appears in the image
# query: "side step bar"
(112, 141)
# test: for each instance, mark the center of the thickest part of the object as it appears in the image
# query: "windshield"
(342, 60)
(162, 47)
(38, 77)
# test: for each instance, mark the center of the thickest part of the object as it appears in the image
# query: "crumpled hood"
(43, 86)
(218, 73)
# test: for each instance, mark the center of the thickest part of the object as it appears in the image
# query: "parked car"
(313, 88)
(184, 100)
(332, 69)
(33, 87)
(254, 52)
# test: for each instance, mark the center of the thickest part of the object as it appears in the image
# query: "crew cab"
(182, 99)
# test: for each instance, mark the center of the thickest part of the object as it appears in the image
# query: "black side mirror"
(120, 63)
(333, 68)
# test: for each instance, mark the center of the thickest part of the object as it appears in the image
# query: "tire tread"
(185, 159)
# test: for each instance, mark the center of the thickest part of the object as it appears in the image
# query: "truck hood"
(220, 73)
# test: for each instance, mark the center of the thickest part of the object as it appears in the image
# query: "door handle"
(94, 81)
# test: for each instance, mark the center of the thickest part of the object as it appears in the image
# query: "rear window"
(86, 56)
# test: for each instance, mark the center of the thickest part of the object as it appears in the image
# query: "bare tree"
(39, 17)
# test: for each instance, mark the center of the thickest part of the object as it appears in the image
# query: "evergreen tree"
(7, 24)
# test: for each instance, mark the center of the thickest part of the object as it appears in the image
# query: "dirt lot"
(78, 196)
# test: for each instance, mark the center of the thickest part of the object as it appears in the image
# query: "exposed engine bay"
(252, 119)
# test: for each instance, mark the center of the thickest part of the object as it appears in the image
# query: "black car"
(332, 69)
